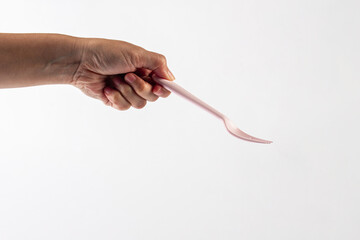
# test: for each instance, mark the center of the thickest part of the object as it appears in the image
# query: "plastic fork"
(230, 126)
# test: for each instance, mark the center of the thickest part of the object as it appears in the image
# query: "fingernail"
(157, 90)
(130, 77)
(107, 91)
(171, 75)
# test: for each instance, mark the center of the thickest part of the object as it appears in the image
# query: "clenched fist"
(116, 72)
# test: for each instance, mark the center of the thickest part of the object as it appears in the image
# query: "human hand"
(119, 73)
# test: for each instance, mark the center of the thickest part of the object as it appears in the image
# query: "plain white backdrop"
(287, 71)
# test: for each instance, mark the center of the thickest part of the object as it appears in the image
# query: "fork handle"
(173, 87)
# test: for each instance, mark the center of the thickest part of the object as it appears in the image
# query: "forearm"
(37, 59)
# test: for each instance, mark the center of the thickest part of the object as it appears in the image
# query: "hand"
(119, 73)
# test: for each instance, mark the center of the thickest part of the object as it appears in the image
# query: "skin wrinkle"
(62, 65)
(90, 64)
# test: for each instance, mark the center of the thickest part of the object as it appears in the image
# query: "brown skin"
(116, 72)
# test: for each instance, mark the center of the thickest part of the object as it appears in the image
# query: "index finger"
(156, 63)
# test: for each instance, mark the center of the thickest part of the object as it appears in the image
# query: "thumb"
(156, 63)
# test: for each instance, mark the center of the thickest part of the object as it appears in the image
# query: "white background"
(288, 71)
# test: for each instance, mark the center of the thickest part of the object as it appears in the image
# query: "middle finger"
(141, 87)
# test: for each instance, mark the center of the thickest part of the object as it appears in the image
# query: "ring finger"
(129, 94)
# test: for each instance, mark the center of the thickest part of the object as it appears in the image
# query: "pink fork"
(230, 126)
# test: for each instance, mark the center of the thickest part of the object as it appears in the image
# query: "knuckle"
(167, 94)
(139, 104)
(140, 86)
(126, 90)
(162, 58)
(153, 99)
(116, 98)
(122, 107)
(136, 55)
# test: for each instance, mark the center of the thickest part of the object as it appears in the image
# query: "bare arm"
(36, 59)
(116, 72)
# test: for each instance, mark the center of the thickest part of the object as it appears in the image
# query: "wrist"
(64, 58)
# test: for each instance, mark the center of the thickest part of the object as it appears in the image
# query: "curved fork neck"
(173, 87)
